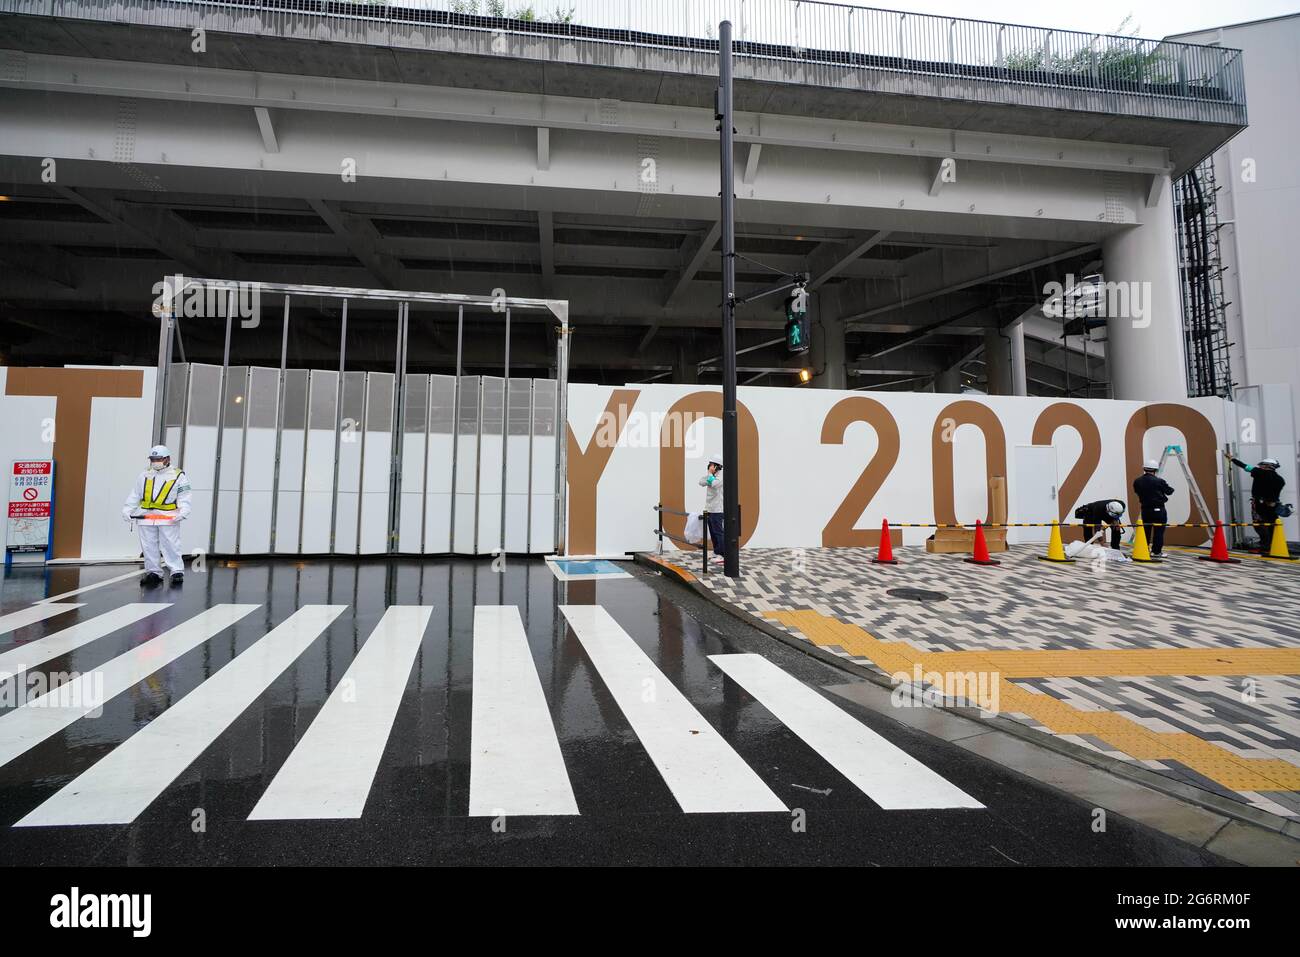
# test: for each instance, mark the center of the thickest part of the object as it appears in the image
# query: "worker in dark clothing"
(1265, 496)
(1153, 492)
(1096, 514)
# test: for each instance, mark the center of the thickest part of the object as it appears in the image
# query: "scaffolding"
(1201, 272)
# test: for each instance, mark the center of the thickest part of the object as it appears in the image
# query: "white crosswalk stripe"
(37, 652)
(85, 588)
(515, 764)
(126, 781)
(25, 727)
(30, 616)
(697, 764)
(884, 772)
(329, 772)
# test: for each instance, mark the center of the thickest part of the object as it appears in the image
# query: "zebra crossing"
(517, 764)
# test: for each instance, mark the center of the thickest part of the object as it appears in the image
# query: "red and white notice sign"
(31, 495)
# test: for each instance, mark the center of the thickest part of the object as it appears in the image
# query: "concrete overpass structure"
(931, 174)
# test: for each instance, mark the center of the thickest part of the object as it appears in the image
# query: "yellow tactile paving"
(1112, 663)
(1122, 733)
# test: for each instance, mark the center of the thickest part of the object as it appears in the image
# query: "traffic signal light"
(796, 321)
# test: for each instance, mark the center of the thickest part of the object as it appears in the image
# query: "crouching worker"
(158, 503)
(1094, 515)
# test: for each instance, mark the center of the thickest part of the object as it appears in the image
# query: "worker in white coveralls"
(158, 503)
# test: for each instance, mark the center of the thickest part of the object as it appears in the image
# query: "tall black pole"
(730, 463)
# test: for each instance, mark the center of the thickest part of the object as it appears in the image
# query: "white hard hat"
(160, 452)
(1152, 465)
(716, 460)
(1115, 508)
(1271, 463)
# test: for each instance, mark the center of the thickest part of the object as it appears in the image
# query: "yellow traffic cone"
(1055, 550)
(1278, 549)
(1141, 551)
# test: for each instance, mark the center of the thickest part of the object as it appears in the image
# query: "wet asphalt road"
(417, 809)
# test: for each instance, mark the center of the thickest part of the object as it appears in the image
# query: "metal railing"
(798, 41)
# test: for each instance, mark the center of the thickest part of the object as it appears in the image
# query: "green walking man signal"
(796, 321)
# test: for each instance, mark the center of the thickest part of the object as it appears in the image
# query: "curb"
(1283, 833)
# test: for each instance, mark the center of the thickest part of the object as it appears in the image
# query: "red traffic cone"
(1219, 550)
(885, 555)
(981, 554)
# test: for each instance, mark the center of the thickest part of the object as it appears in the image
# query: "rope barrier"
(1072, 524)
(670, 511)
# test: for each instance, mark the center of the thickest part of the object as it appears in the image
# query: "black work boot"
(178, 578)
(150, 579)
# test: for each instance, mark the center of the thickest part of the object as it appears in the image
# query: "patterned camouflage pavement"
(1187, 668)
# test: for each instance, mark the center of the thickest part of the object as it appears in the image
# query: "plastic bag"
(694, 528)
(1086, 552)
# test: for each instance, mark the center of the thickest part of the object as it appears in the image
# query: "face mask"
(156, 466)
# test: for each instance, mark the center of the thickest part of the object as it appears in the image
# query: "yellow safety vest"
(158, 502)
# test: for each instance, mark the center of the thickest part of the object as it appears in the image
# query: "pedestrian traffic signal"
(796, 321)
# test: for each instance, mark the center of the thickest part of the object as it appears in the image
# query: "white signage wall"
(820, 467)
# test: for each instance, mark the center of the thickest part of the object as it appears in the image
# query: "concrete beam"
(828, 261)
(1155, 188)
(362, 239)
(265, 127)
(546, 246)
(158, 228)
(650, 333)
(693, 253)
(997, 264)
(84, 75)
(192, 150)
(44, 262)
(945, 171)
(543, 148)
(751, 163)
(925, 332)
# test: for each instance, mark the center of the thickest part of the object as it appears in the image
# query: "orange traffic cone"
(885, 555)
(1219, 550)
(981, 554)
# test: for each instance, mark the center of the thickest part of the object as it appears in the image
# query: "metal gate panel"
(351, 449)
(491, 461)
(230, 461)
(376, 464)
(200, 455)
(542, 500)
(318, 463)
(518, 446)
(254, 503)
(175, 405)
(411, 514)
(293, 449)
(466, 478)
(441, 441)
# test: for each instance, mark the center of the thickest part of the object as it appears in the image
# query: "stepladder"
(1193, 489)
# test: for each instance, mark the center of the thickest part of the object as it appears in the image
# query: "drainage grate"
(917, 594)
